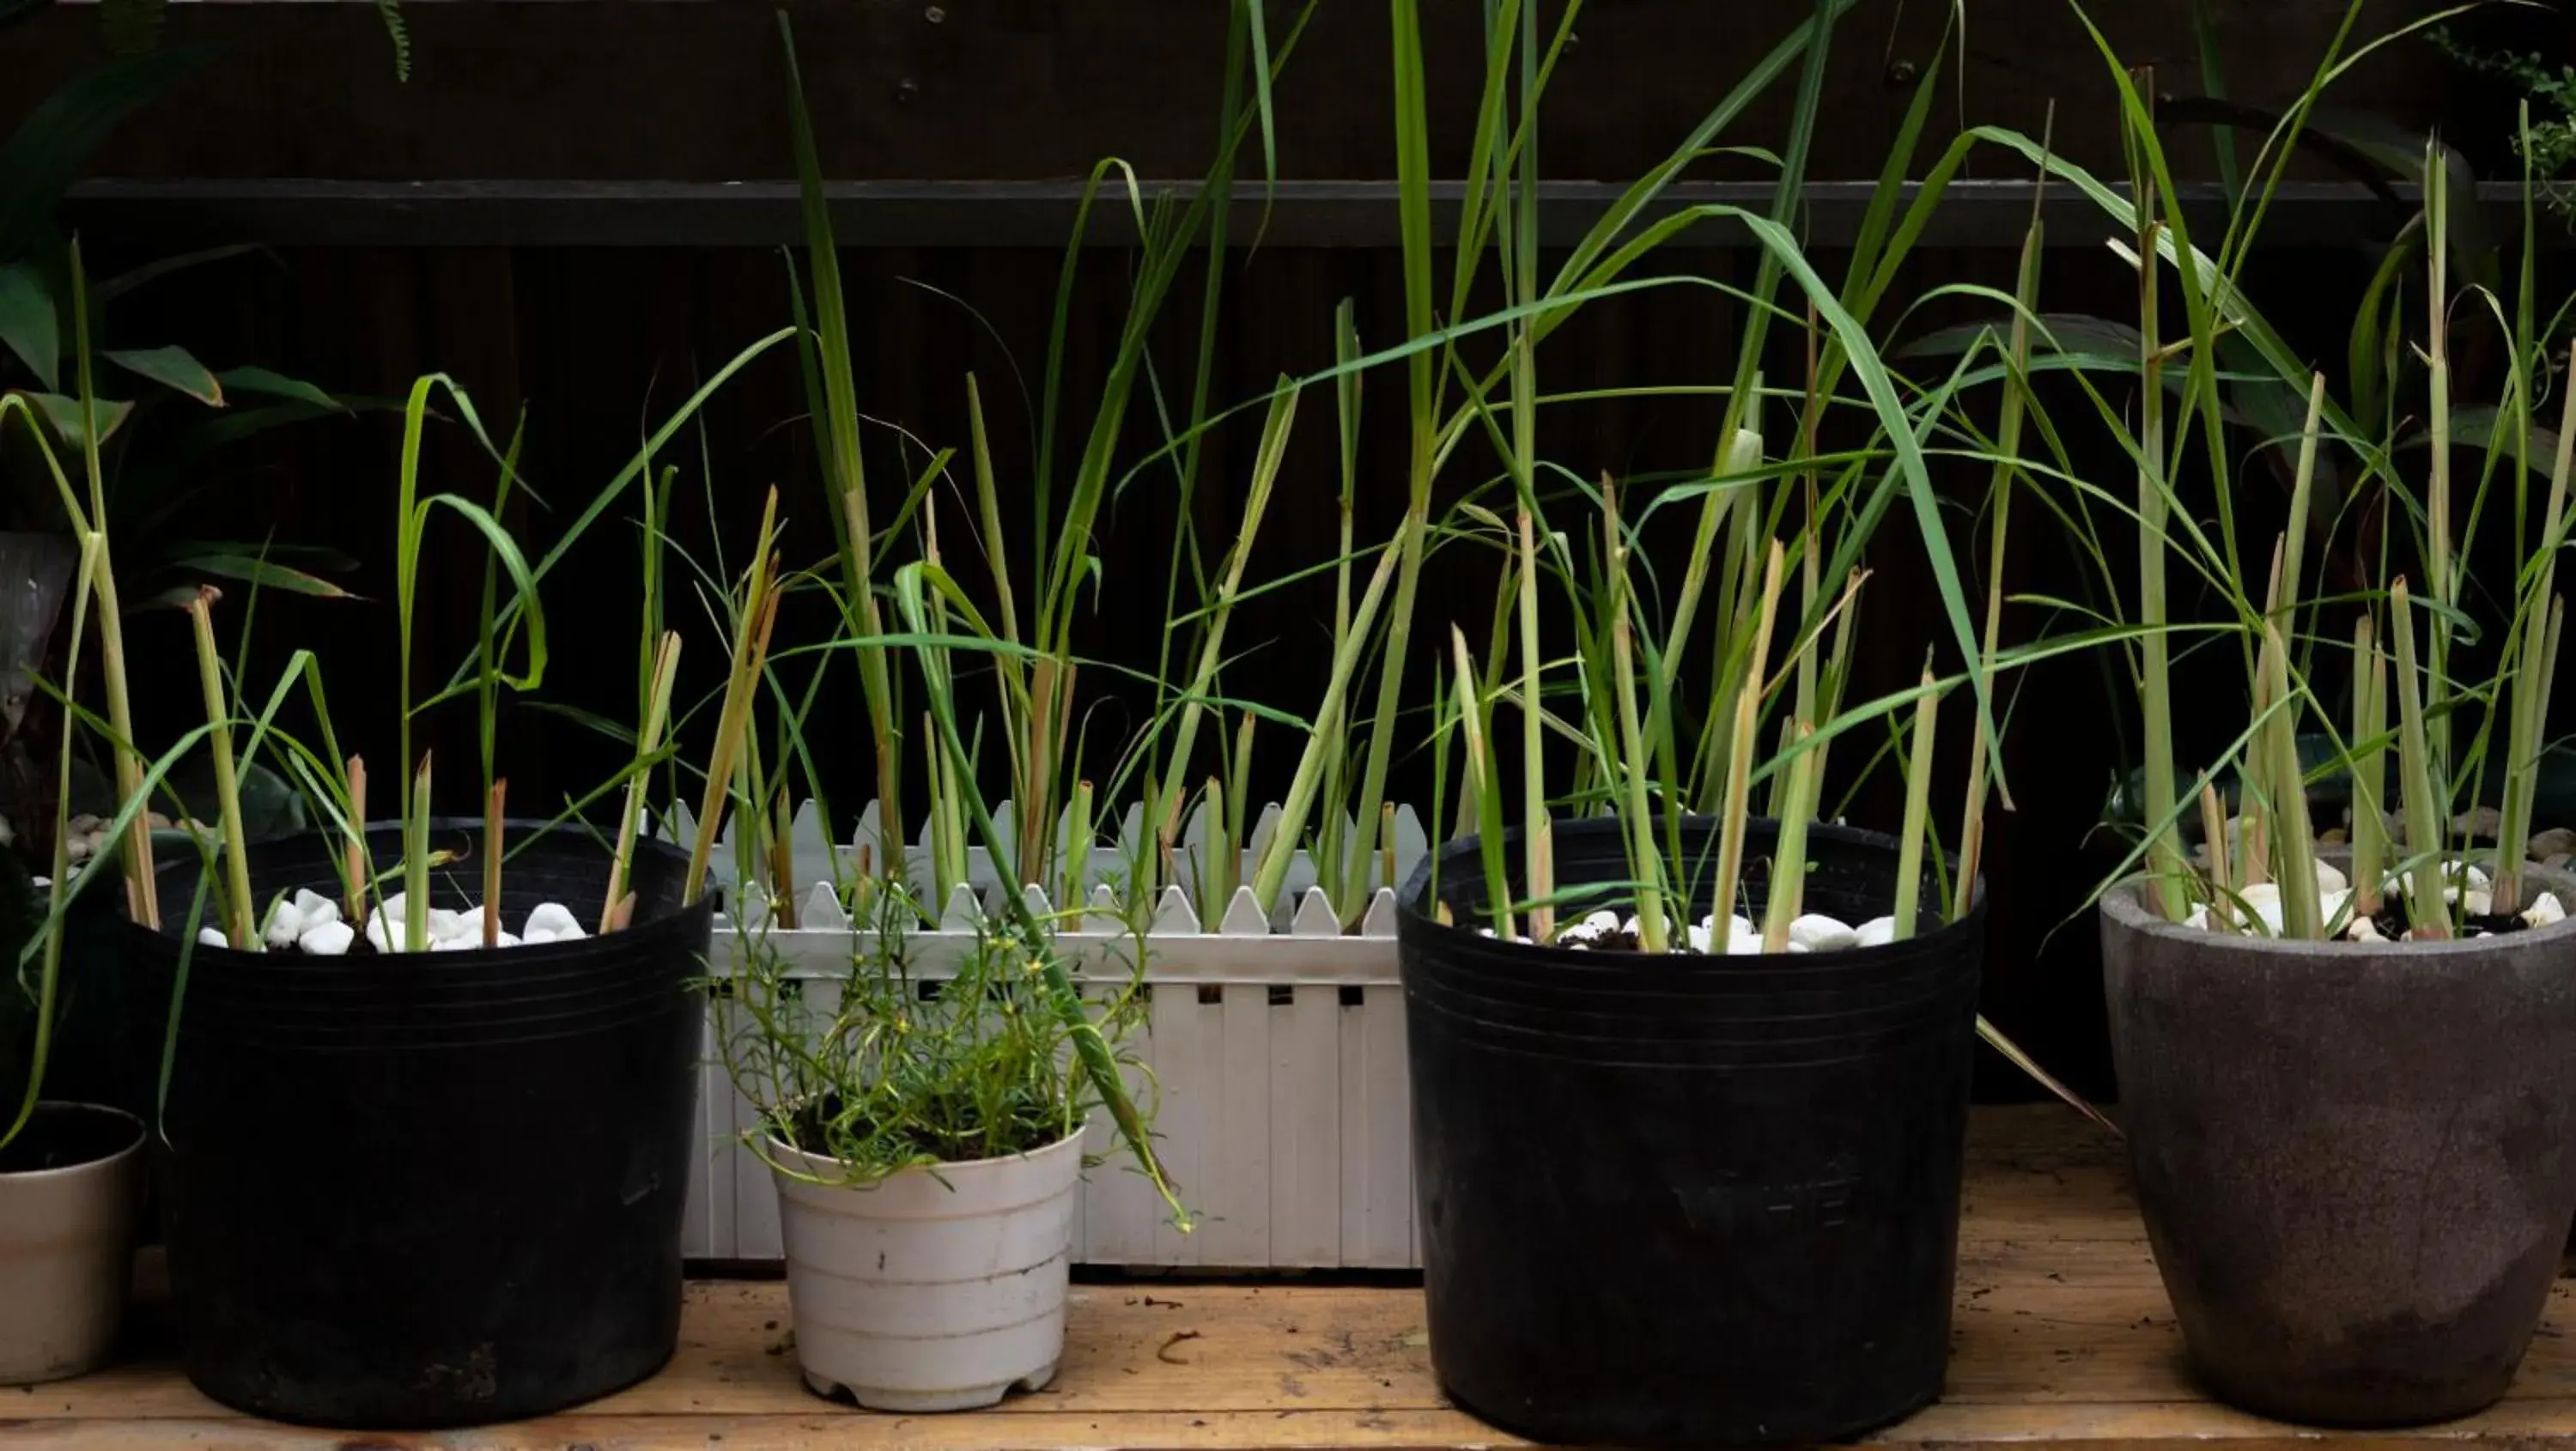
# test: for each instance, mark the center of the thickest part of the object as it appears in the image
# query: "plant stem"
(666, 669)
(1739, 768)
(1918, 809)
(750, 650)
(1789, 850)
(492, 809)
(1645, 863)
(2164, 854)
(2369, 769)
(353, 853)
(416, 864)
(2213, 831)
(2424, 906)
(239, 920)
(2300, 915)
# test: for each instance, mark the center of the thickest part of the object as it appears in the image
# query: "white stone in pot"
(285, 924)
(1876, 932)
(1819, 933)
(2544, 909)
(212, 937)
(327, 939)
(553, 919)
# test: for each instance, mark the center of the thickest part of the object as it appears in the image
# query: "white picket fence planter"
(1275, 1044)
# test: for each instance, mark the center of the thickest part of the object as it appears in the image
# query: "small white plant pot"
(930, 1290)
(67, 1245)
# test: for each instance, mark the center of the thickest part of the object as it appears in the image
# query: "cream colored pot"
(69, 1188)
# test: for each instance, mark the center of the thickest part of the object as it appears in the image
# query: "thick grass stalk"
(1789, 850)
(1918, 807)
(1537, 830)
(240, 915)
(1077, 852)
(2529, 710)
(142, 889)
(2294, 839)
(1482, 788)
(416, 863)
(492, 812)
(1739, 767)
(2437, 505)
(2424, 844)
(2369, 769)
(733, 722)
(648, 742)
(1645, 862)
(353, 852)
(2213, 833)
(2164, 852)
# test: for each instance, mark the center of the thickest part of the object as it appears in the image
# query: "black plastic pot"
(437, 1189)
(2357, 1162)
(1688, 1200)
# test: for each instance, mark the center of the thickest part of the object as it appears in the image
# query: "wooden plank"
(2064, 1338)
(293, 212)
(1014, 90)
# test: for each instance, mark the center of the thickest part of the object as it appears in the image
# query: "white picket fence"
(1275, 1045)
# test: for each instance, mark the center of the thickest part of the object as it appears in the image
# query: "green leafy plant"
(888, 1067)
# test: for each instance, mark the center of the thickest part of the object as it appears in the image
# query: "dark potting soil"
(66, 1137)
(2392, 924)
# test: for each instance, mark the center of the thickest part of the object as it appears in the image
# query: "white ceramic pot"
(67, 1240)
(930, 1291)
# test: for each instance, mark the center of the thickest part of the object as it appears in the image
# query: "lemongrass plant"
(2360, 480)
(1031, 620)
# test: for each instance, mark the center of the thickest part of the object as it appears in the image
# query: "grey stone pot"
(2357, 1162)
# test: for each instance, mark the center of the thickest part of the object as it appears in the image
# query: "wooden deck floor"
(2064, 1338)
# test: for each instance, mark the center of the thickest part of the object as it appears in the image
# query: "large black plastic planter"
(1688, 1200)
(437, 1189)
(2357, 1162)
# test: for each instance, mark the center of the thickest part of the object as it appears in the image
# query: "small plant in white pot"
(926, 1138)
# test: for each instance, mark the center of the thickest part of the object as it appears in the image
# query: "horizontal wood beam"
(170, 214)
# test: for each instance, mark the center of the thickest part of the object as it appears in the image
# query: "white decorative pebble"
(2544, 909)
(212, 937)
(285, 924)
(444, 925)
(386, 930)
(2331, 879)
(327, 939)
(1744, 944)
(1876, 932)
(554, 919)
(2364, 930)
(2198, 921)
(1600, 922)
(1700, 937)
(1817, 932)
(311, 903)
(2480, 903)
